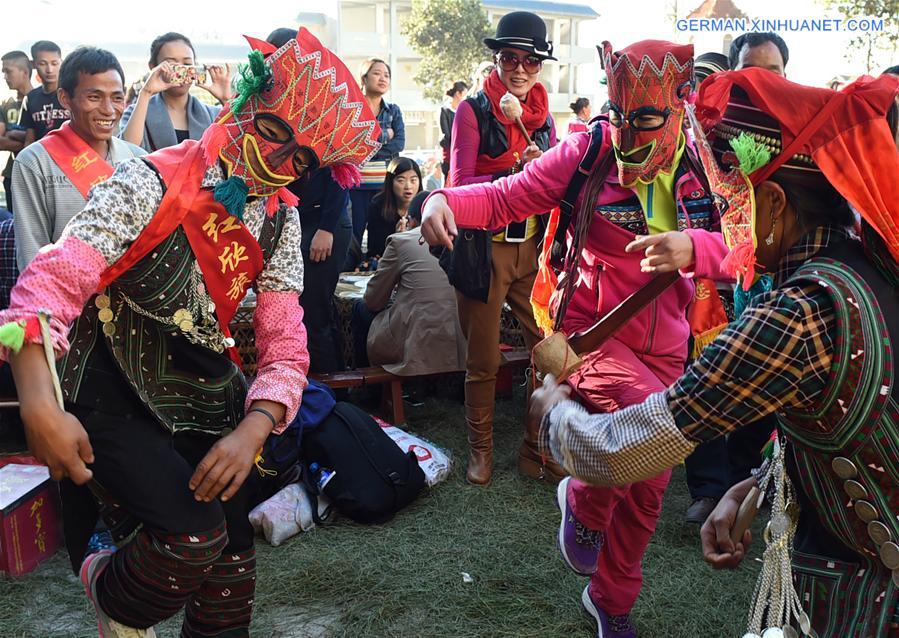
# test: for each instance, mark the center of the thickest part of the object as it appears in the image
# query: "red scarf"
(81, 164)
(533, 116)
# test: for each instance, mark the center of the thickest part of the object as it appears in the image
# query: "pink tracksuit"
(645, 356)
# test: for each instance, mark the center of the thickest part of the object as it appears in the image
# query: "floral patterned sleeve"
(284, 270)
(64, 275)
(118, 210)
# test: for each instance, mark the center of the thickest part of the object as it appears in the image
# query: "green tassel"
(768, 450)
(751, 153)
(12, 335)
(232, 194)
(253, 79)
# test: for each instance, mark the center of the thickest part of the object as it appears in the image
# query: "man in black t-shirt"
(17, 73)
(41, 110)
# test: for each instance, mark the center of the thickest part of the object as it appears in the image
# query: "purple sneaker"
(578, 545)
(607, 626)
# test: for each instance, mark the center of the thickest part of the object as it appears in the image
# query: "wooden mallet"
(511, 108)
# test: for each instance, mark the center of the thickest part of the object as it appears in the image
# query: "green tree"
(448, 35)
(868, 44)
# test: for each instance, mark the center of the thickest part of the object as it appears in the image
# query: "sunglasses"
(508, 62)
(274, 129)
(645, 118)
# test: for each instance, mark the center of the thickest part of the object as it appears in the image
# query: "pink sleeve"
(282, 359)
(537, 189)
(60, 279)
(466, 140)
(709, 250)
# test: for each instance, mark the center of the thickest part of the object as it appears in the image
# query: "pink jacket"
(606, 273)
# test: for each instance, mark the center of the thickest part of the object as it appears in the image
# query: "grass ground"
(404, 579)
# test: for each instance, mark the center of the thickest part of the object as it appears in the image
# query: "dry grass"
(404, 579)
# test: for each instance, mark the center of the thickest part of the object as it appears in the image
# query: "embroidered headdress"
(649, 82)
(298, 108)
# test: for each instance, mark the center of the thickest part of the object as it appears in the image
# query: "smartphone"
(188, 73)
(200, 74)
(182, 74)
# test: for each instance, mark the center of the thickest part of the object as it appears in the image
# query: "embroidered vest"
(844, 458)
(159, 325)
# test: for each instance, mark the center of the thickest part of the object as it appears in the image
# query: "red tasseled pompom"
(286, 197)
(346, 175)
(213, 140)
(32, 330)
(740, 262)
(271, 204)
(281, 196)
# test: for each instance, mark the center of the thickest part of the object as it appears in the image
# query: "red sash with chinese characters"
(81, 164)
(229, 256)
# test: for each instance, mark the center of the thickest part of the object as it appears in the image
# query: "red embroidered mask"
(648, 84)
(298, 108)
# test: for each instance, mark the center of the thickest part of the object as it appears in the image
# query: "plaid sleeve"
(617, 448)
(776, 355)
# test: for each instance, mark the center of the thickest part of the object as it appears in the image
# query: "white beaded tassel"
(776, 602)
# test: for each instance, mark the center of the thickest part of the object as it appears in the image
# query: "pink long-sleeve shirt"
(606, 274)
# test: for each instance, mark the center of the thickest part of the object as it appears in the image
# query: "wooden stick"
(749, 508)
(590, 339)
(524, 131)
(43, 317)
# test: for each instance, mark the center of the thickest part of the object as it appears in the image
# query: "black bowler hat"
(522, 30)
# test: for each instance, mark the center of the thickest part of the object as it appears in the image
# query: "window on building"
(564, 32)
(564, 75)
(546, 76)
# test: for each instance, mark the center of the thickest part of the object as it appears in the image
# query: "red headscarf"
(845, 132)
(534, 113)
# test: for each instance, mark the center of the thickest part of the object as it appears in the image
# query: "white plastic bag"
(434, 461)
(286, 514)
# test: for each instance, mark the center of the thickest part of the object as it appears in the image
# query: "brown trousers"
(513, 271)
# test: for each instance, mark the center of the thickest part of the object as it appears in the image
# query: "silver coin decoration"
(779, 524)
(804, 623)
(844, 468)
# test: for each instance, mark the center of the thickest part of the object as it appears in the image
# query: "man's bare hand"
(57, 439)
(718, 549)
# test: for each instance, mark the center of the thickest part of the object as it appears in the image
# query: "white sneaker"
(91, 569)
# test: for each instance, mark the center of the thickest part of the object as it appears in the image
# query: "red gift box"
(30, 529)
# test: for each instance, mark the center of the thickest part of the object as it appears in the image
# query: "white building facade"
(372, 28)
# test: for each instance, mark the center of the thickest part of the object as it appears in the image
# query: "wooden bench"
(392, 400)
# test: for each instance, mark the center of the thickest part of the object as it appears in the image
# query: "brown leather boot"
(531, 463)
(480, 443)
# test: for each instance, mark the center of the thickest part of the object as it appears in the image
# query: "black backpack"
(373, 478)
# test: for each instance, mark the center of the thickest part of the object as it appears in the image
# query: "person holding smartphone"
(165, 113)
